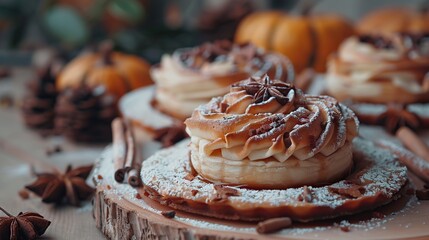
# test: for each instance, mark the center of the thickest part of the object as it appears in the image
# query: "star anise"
(169, 136)
(28, 225)
(264, 88)
(71, 185)
(396, 116)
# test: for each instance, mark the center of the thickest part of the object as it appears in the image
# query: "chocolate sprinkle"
(377, 215)
(353, 191)
(190, 177)
(422, 194)
(168, 214)
(224, 192)
(273, 225)
(345, 228)
(306, 195)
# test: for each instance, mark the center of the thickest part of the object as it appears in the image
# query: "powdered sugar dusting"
(397, 224)
(166, 170)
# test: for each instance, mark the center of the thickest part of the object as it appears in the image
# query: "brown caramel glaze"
(376, 171)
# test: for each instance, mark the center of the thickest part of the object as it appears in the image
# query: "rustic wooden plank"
(20, 147)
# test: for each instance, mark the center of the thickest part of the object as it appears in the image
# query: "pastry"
(383, 74)
(266, 150)
(191, 77)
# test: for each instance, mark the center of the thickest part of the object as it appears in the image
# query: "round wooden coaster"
(123, 212)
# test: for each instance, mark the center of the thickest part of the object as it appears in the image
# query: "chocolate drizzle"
(264, 88)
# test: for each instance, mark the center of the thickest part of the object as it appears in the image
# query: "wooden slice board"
(122, 212)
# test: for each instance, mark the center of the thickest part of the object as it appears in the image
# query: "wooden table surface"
(20, 148)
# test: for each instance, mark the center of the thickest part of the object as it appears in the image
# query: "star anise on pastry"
(396, 116)
(28, 225)
(71, 185)
(264, 88)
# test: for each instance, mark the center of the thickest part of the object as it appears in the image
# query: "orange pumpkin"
(394, 20)
(306, 40)
(118, 72)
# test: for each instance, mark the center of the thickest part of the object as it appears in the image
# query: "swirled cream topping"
(262, 119)
(381, 69)
(191, 77)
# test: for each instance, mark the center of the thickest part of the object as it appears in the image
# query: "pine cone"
(84, 114)
(38, 106)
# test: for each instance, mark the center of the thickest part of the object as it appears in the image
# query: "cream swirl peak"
(262, 118)
(270, 123)
(191, 77)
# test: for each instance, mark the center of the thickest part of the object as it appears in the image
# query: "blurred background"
(142, 27)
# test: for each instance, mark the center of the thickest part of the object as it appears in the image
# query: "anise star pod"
(265, 88)
(71, 185)
(28, 225)
(396, 116)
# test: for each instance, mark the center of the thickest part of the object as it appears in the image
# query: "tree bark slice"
(123, 212)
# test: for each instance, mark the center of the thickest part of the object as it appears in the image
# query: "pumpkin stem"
(106, 50)
(424, 7)
(307, 6)
(5, 212)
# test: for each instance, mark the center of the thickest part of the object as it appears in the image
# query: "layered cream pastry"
(378, 69)
(266, 150)
(191, 77)
(267, 134)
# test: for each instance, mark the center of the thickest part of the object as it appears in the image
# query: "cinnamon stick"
(273, 225)
(134, 174)
(133, 158)
(127, 159)
(414, 163)
(131, 146)
(119, 149)
(413, 142)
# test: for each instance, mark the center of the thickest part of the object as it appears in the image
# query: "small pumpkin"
(395, 19)
(118, 72)
(307, 40)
